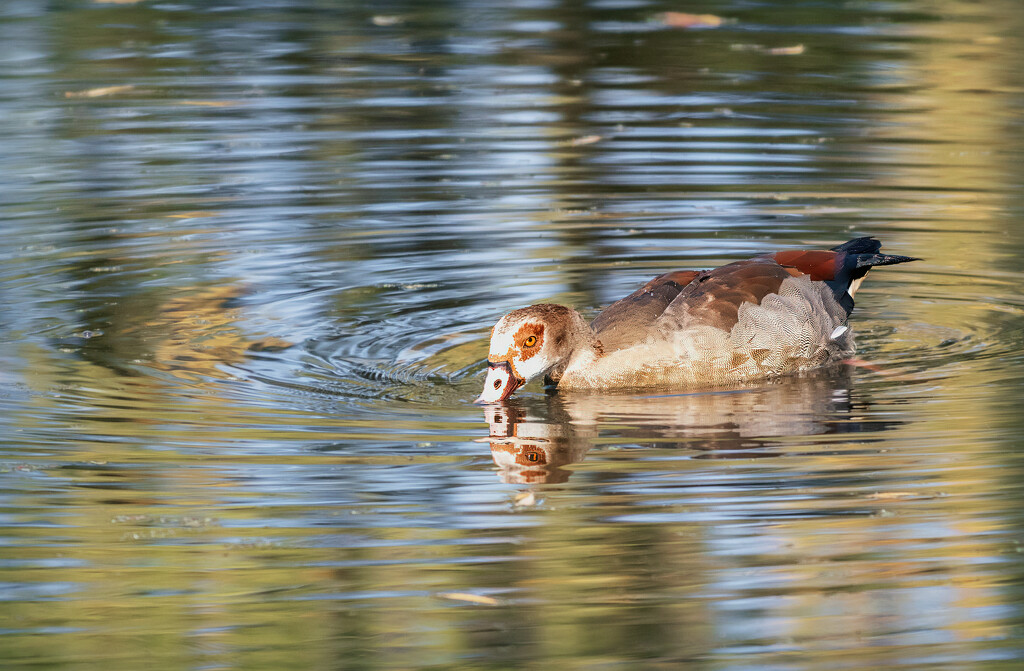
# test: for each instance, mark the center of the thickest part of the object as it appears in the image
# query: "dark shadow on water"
(534, 440)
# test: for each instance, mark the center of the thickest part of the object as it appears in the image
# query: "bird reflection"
(532, 448)
(534, 440)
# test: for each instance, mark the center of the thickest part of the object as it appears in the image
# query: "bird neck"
(581, 347)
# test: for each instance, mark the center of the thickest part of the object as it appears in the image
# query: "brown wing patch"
(716, 297)
(821, 266)
(680, 277)
(529, 339)
(628, 320)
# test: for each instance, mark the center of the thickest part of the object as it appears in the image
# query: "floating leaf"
(684, 20)
(525, 499)
(580, 141)
(209, 103)
(471, 598)
(586, 139)
(795, 50)
(193, 215)
(97, 92)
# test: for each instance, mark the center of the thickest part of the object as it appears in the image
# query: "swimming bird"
(750, 320)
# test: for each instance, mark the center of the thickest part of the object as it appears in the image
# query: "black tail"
(861, 255)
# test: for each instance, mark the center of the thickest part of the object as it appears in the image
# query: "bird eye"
(497, 384)
(531, 341)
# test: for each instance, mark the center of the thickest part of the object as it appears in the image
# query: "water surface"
(251, 254)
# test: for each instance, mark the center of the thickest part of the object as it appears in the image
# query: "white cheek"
(500, 346)
(530, 368)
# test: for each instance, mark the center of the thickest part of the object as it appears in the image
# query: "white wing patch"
(838, 332)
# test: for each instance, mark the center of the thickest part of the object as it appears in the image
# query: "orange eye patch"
(528, 339)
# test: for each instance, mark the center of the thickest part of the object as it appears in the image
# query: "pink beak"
(500, 383)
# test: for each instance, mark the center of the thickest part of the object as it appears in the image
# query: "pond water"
(252, 251)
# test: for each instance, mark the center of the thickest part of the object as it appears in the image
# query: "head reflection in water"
(531, 452)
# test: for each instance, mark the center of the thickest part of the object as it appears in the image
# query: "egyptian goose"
(748, 320)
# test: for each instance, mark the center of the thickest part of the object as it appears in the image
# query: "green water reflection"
(251, 253)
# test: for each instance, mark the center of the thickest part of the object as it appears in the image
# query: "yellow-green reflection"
(247, 299)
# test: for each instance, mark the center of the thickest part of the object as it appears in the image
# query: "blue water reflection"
(251, 253)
